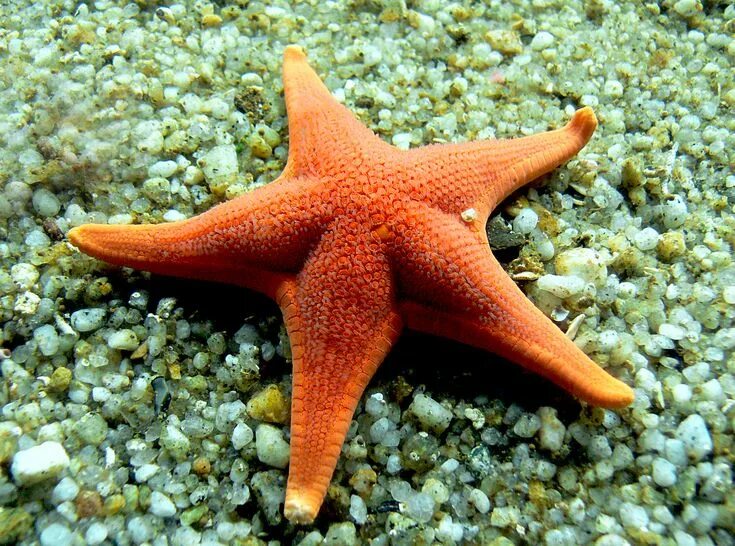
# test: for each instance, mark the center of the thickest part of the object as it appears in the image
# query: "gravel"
(138, 410)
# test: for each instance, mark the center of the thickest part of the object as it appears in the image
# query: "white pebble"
(449, 466)
(664, 473)
(163, 169)
(66, 490)
(86, 320)
(24, 275)
(173, 215)
(646, 239)
(124, 339)
(542, 40)
(448, 531)
(561, 286)
(682, 393)
(45, 203)
(219, 165)
(585, 263)
(552, 431)
(687, 8)
(613, 88)
(146, 472)
(526, 221)
(161, 505)
(242, 435)
(420, 507)
(672, 331)
(47, 339)
(271, 447)
(674, 212)
(96, 533)
(375, 405)
(402, 141)
(480, 501)
(358, 510)
(633, 516)
(430, 413)
(697, 440)
(39, 463)
(56, 534)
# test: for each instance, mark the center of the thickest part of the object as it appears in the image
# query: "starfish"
(356, 240)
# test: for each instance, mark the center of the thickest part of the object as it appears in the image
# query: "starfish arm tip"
(583, 122)
(299, 510)
(293, 51)
(75, 235)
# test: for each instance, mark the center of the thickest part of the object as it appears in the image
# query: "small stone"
(664, 473)
(47, 339)
(542, 40)
(436, 490)
(671, 245)
(96, 534)
(688, 8)
(270, 405)
(633, 516)
(175, 441)
(24, 275)
(646, 239)
(14, 524)
(88, 503)
(242, 435)
(163, 169)
(505, 516)
(363, 480)
(145, 472)
(56, 534)
(124, 340)
(314, 538)
(507, 42)
(201, 466)
(420, 507)
(161, 505)
(211, 20)
(585, 263)
(46, 203)
(271, 447)
(39, 463)
(526, 221)
(561, 286)
(220, 167)
(480, 501)
(430, 413)
(341, 534)
(91, 429)
(693, 432)
(66, 490)
(552, 431)
(358, 510)
(469, 215)
(60, 380)
(87, 320)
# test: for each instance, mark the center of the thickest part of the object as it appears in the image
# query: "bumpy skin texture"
(357, 239)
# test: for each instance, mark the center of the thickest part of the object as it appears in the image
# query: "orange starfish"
(357, 239)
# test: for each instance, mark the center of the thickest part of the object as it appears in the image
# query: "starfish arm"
(341, 319)
(256, 240)
(325, 138)
(481, 174)
(475, 302)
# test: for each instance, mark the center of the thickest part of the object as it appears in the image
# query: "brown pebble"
(89, 504)
(201, 466)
